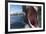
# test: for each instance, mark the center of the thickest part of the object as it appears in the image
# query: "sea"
(17, 22)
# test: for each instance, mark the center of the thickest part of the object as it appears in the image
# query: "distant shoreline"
(16, 14)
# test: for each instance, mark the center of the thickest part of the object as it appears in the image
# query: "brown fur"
(32, 15)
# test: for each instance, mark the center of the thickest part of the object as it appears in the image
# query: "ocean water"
(17, 22)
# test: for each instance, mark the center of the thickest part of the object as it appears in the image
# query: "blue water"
(17, 22)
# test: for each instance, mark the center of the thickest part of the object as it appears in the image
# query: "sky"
(16, 9)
